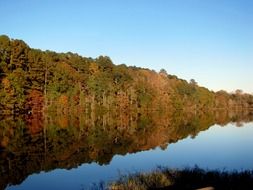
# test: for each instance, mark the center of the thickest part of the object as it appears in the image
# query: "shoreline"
(188, 178)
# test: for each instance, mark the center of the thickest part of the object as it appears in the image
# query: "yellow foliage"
(63, 122)
(93, 68)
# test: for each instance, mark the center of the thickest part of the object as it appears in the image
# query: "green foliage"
(144, 96)
(18, 81)
(184, 89)
(5, 55)
(100, 83)
(105, 64)
(36, 69)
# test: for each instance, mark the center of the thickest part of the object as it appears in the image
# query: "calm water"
(72, 152)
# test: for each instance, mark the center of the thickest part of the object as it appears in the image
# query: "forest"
(32, 80)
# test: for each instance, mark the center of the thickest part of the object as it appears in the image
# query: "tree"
(105, 63)
(19, 53)
(238, 92)
(36, 69)
(5, 54)
(163, 72)
(193, 82)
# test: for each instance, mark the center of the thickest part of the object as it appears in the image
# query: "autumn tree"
(86, 83)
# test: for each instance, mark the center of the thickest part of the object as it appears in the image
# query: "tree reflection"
(39, 142)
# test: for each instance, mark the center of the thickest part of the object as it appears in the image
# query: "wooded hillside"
(32, 80)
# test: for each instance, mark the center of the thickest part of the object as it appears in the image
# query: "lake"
(73, 151)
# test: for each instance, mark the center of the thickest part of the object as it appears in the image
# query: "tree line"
(32, 80)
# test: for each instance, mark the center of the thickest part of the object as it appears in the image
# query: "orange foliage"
(5, 141)
(35, 101)
(35, 123)
(63, 122)
(63, 100)
(6, 83)
(68, 69)
(94, 154)
(34, 104)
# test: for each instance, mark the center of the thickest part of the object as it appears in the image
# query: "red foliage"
(35, 101)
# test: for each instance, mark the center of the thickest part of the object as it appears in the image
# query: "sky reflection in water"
(228, 147)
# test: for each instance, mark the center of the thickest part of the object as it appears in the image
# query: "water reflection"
(34, 143)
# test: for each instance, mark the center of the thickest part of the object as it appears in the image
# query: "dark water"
(73, 151)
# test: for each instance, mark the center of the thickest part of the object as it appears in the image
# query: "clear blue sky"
(208, 40)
